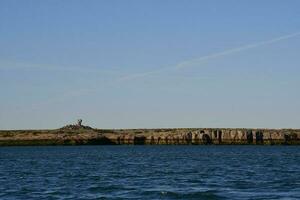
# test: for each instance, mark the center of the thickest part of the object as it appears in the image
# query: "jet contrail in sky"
(194, 61)
(182, 65)
(235, 50)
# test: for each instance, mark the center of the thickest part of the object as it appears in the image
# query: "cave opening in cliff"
(249, 137)
(206, 139)
(287, 138)
(215, 133)
(152, 141)
(140, 140)
(259, 137)
(220, 136)
(189, 138)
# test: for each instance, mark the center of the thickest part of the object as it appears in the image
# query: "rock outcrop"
(81, 135)
(75, 126)
(206, 136)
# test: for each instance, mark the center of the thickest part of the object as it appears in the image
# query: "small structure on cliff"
(79, 122)
(76, 126)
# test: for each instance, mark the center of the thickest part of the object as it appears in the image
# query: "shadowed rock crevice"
(139, 140)
(290, 138)
(249, 137)
(259, 137)
(220, 137)
(100, 141)
(215, 133)
(206, 139)
(188, 138)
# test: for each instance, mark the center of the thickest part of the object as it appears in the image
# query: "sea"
(150, 172)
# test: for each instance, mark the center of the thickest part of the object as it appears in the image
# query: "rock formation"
(76, 126)
(80, 134)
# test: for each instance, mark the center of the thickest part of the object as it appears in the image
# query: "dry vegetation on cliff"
(81, 135)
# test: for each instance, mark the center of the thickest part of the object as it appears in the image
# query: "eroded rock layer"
(195, 136)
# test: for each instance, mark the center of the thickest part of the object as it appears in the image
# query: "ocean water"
(150, 172)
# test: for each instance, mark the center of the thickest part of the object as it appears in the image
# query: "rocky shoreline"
(84, 135)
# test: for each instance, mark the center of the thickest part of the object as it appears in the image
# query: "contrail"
(180, 65)
(187, 63)
(140, 75)
(235, 50)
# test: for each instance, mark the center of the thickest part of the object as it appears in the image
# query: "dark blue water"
(150, 172)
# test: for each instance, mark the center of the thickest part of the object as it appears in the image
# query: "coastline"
(83, 135)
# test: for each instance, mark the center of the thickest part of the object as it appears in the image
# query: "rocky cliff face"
(206, 136)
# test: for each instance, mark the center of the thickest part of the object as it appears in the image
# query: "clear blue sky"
(147, 64)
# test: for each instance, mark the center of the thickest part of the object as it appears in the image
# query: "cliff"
(83, 135)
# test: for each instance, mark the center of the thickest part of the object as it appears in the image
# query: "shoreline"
(84, 135)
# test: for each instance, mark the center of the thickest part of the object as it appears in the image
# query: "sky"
(150, 63)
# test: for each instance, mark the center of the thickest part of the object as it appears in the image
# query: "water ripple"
(150, 172)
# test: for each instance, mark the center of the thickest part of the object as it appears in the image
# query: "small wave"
(205, 195)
